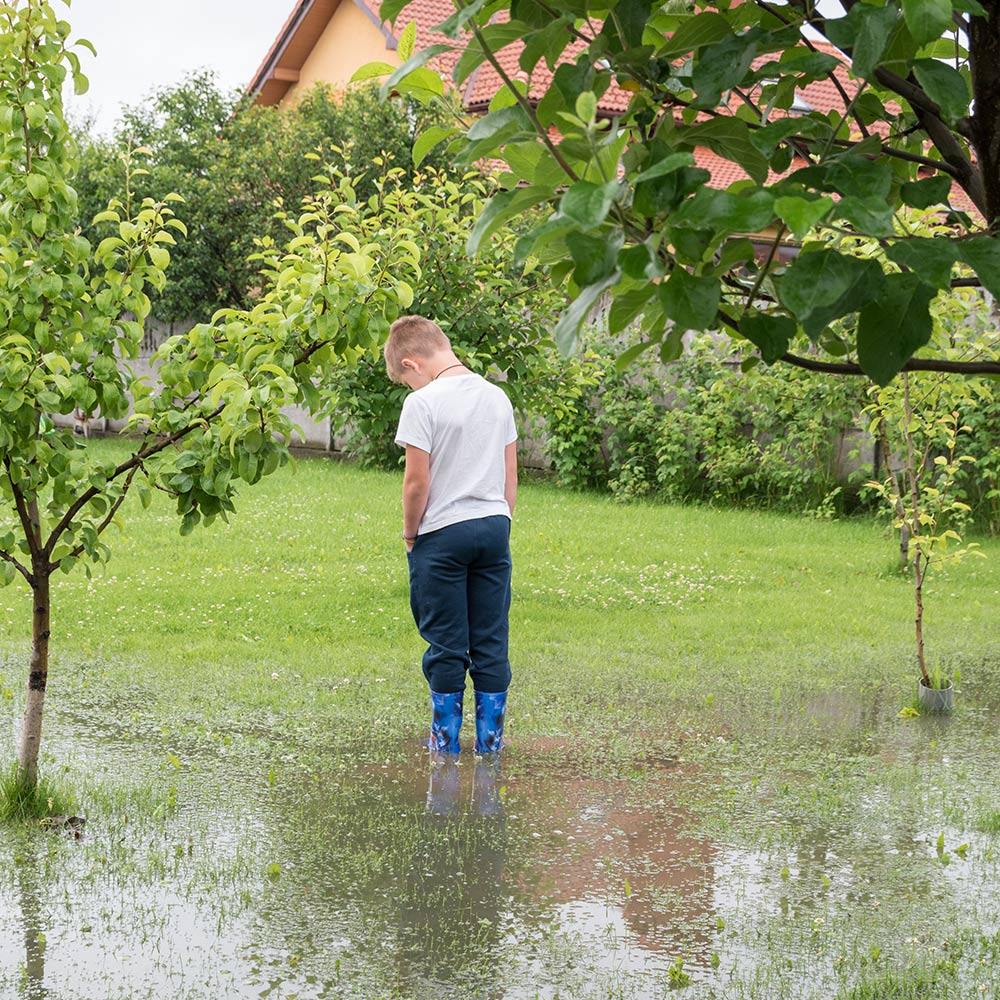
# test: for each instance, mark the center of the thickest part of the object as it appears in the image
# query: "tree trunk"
(984, 62)
(38, 671)
(918, 590)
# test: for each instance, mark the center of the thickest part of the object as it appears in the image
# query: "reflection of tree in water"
(29, 896)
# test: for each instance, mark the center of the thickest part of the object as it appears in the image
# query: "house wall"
(350, 40)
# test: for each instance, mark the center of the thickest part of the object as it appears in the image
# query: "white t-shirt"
(464, 423)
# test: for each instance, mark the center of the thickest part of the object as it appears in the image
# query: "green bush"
(701, 429)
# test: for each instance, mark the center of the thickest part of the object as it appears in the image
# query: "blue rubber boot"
(490, 710)
(446, 722)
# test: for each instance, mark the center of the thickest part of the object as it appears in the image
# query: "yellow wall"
(349, 41)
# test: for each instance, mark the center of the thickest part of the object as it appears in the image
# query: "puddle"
(226, 875)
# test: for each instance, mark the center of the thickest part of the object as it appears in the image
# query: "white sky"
(143, 45)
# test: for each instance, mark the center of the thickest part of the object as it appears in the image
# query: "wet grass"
(22, 801)
(708, 774)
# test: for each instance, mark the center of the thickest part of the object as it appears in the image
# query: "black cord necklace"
(448, 369)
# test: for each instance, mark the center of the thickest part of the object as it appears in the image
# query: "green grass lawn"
(638, 615)
(707, 762)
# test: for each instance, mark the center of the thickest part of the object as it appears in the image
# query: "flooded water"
(746, 871)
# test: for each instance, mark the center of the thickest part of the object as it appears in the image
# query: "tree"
(234, 164)
(215, 420)
(632, 216)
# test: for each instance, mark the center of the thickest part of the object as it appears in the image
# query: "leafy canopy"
(604, 114)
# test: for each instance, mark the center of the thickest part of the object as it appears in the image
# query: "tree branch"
(7, 557)
(111, 513)
(913, 365)
(23, 514)
(522, 101)
(129, 464)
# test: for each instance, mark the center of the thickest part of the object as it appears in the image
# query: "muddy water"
(736, 874)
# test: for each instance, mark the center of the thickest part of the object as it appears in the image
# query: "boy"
(459, 489)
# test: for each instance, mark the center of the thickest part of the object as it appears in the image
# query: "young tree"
(633, 216)
(215, 420)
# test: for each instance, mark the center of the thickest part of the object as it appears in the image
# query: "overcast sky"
(146, 44)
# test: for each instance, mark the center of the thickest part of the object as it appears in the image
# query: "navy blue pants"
(460, 598)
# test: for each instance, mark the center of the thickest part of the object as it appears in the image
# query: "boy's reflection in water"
(455, 897)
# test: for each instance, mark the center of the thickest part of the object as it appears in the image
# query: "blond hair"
(412, 336)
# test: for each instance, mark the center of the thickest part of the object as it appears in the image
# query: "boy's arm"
(416, 489)
(510, 475)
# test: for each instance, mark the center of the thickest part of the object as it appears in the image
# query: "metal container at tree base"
(934, 699)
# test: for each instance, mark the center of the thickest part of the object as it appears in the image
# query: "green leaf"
(407, 40)
(586, 107)
(982, 254)
(594, 257)
(730, 139)
(665, 166)
(588, 204)
(665, 190)
(640, 263)
(499, 209)
(930, 259)
(81, 84)
(926, 192)
(872, 216)
(568, 328)
(864, 33)
(390, 10)
(159, 257)
(945, 86)
(927, 19)
(549, 42)
(494, 37)
(628, 305)
(504, 120)
(823, 285)
(696, 32)
(413, 63)
(720, 67)
(691, 302)
(769, 334)
(802, 214)
(726, 212)
(421, 84)
(38, 186)
(428, 139)
(371, 70)
(627, 357)
(625, 24)
(452, 27)
(895, 325)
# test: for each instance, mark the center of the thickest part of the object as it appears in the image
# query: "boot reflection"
(443, 792)
(487, 784)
